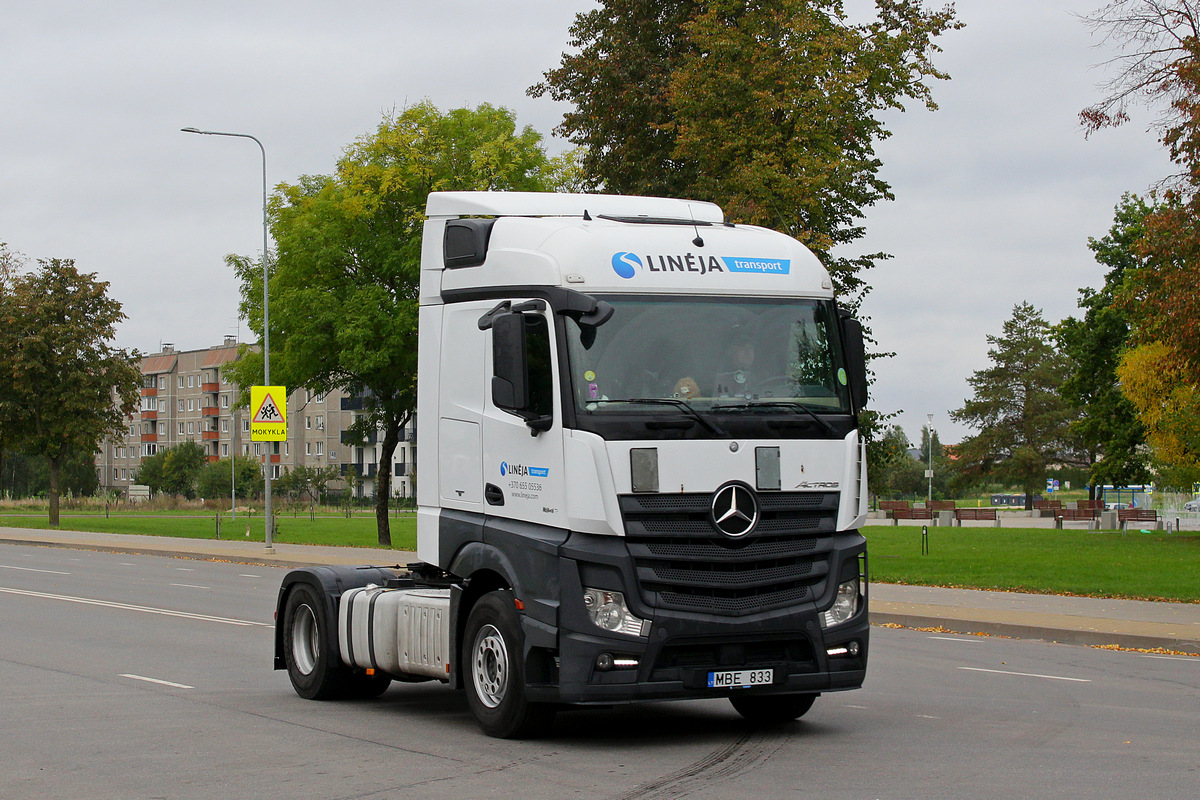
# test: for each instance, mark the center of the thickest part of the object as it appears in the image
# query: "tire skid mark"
(750, 750)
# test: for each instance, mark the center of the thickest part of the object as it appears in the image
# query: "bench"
(941, 505)
(893, 505)
(1127, 515)
(912, 513)
(1074, 515)
(1040, 504)
(973, 513)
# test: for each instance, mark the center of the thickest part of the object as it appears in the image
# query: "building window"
(308, 423)
(257, 449)
(224, 426)
(191, 381)
(245, 425)
(320, 422)
(180, 381)
(162, 381)
(181, 405)
(224, 450)
(245, 449)
(320, 448)
(224, 401)
(181, 429)
(287, 449)
(191, 427)
(308, 448)
(274, 472)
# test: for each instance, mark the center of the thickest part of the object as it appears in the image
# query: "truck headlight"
(608, 611)
(845, 605)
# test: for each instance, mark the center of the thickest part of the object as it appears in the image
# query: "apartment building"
(188, 396)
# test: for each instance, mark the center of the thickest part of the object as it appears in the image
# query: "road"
(143, 677)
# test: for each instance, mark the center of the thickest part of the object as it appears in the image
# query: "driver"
(739, 380)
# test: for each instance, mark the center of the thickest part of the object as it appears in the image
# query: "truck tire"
(771, 709)
(316, 673)
(495, 673)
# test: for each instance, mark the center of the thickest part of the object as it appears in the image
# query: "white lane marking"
(1028, 675)
(156, 680)
(189, 586)
(860, 708)
(952, 639)
(127, 607)
(31, 569)
(185, 569)
(247, 575)
(1175, 658)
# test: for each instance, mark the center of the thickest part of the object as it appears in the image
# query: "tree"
(1018, 407)
(213, 479)
(768, 108)
(182, 467)
(344, 284)
(1159, 66)
(892, 471)
(65, 387)
(1110, 435)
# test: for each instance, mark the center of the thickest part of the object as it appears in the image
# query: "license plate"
(740, 678)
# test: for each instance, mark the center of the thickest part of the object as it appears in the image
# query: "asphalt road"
(129, 676)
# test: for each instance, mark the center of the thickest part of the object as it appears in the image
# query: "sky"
(996, 193)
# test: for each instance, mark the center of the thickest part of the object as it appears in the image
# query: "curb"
(1031, 629)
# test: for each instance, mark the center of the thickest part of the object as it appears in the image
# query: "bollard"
(218, 524)
(924, 540)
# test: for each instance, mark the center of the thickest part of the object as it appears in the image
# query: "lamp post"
(929, 473)
(269, 516)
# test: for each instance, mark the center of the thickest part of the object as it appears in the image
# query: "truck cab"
(641, 474)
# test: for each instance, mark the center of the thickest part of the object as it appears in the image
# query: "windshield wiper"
(779, 404)
(671, 401)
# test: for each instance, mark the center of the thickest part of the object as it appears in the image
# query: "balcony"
(352, 403)
(362, 470)
(212, 459)
(210, 387)
(210, 411)
(149, 391)
(210, 435)
(149, 437)
(149, 414)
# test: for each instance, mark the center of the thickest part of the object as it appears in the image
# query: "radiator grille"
(683, 562)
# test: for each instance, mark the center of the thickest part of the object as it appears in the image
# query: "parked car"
(1192, 505)
(1116, 506)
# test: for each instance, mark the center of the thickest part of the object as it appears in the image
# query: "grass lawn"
(330, 529)
(1100, 564)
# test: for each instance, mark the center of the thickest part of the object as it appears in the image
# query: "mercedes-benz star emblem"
(734, 510)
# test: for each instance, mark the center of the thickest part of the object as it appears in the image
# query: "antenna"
(697, 241)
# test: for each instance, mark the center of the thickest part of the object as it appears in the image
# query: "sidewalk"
(1070, 620)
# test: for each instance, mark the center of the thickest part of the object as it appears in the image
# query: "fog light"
(850, 649)
(845, 605)
(604, 662)
(607, 610)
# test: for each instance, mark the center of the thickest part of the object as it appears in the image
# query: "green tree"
(181, 468)
(344, 284)
(1110, 435)
(1018, 408)
(771, 109)
(213, 479)
(152, 471)
(65, 387)
(890, 469)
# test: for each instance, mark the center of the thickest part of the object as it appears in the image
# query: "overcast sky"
(996, 192)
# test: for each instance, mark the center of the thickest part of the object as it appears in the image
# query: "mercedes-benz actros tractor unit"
(640, 478)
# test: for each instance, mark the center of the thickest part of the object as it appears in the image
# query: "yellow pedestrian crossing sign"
(268, 404)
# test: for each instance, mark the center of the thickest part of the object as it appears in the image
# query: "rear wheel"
(495, 674)
(316, 674)
(773, 708)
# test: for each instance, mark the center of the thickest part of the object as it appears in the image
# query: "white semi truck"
(640, 477)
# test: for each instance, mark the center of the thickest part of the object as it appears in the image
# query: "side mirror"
(856, 361)
(510, 363)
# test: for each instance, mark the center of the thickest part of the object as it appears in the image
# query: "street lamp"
(929, 472)
(270, 518)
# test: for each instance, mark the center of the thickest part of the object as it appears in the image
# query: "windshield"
(716, 366)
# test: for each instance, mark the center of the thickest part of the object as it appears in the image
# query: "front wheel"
(495, 679)
(773, 708)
